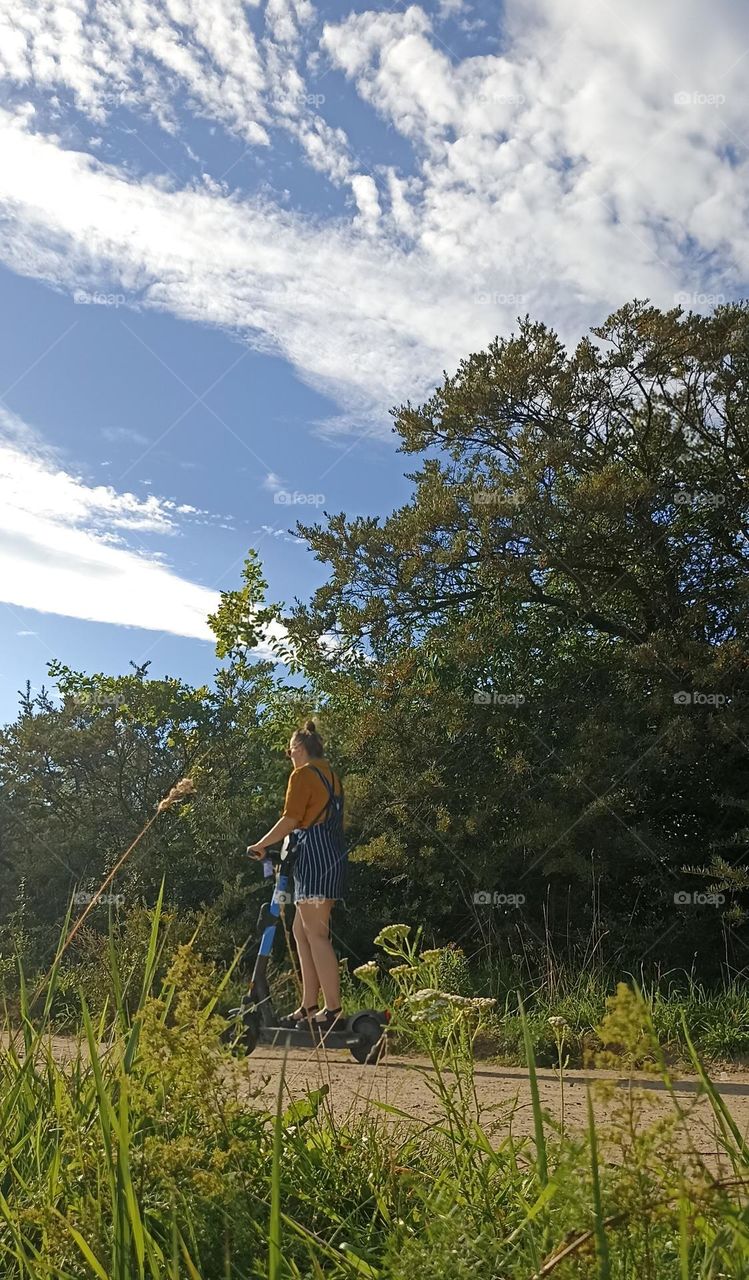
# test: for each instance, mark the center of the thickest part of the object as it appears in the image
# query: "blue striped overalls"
(321, 859)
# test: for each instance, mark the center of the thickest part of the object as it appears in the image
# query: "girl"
(314, 812)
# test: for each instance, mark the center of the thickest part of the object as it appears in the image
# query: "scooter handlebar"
(275, 854)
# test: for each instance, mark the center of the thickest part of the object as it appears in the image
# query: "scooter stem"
(268, 922)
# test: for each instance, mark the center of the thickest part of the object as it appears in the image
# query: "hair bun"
(310, 727)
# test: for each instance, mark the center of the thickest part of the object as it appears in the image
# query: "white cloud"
(134, 54)
(59, 552)
(294, 103)
(35, 477)
(285, 284)
(276, 531)
(566, 169)
(365, 193)
(62, 548)
(561, 177)
(124, 435)
(139, 54)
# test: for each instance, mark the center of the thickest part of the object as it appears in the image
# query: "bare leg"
(316, 921)
(310, 979)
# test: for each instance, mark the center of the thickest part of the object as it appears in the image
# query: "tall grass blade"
(149, 969)
(274, 1229)
(538, 1119)
(125, 1178)
(51, 979)
(722, 1114)
(602, 1247)
(85, 1249)
(192, 1271)
(683, 1241)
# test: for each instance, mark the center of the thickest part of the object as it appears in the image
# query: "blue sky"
(121, 396)
(233, 235)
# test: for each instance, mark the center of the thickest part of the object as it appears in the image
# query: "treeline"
(533, 677)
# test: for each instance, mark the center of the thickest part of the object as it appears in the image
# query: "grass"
(717, 1019)
(150, 1153)
(717, 1022)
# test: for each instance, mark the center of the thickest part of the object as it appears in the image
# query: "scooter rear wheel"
(371, 1041)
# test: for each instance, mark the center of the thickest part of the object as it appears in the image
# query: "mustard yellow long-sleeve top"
(306, 797)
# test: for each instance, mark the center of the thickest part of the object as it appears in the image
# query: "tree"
(83, 771)
(576, 543)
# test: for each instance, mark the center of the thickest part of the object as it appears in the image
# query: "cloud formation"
(64, 545)
(598, 157)
(580, 158)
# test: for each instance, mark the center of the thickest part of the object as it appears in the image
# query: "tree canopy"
(534, 674)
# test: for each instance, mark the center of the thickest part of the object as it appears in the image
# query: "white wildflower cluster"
(472, 1004)
(366, 971)
(392, 937)
(428, 1005)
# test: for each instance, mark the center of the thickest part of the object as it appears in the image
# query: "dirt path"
(503, 1094)
(402, 1083)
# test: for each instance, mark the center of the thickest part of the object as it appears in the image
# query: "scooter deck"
(285, 1037)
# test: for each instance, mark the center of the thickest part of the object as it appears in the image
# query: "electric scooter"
(255, 1021)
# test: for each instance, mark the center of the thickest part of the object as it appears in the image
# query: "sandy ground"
(502, 1094)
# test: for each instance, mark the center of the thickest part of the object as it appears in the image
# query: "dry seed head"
(185, 787)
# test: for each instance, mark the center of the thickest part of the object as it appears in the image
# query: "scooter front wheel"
(251, 1035)
(371, 1044)
(243, 1032)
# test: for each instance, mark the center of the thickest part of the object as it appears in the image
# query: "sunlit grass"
(150, 1152)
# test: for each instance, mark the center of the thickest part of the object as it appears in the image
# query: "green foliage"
(150, 1152)
(626, 1031)
(495, 666)
(82, 773)
(241, 621)
(575, 551)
